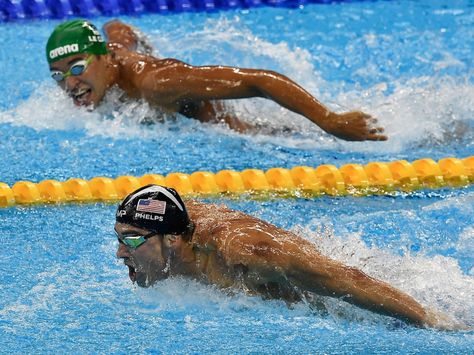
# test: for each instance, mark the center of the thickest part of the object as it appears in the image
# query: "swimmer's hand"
(354, 126)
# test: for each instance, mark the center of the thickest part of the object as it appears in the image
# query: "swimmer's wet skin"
(86, 67)
(161, 236)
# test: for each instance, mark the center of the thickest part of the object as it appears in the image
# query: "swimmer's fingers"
(377, 137)
(375, 134)
(356, 126)
(374, 131)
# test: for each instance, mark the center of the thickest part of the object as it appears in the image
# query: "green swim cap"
(74, 37)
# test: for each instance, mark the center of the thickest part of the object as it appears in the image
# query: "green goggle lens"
(134, 241)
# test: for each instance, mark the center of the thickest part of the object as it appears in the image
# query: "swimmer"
(160, 237)
(86, 67)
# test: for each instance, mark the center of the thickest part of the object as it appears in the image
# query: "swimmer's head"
(155, 208)
(152, 224)
(74, 37)
(78, 60)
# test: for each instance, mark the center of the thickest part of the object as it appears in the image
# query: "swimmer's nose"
(71, 83)
(122, 252)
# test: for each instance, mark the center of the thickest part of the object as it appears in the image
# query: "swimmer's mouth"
(81, 96)
(132, 274)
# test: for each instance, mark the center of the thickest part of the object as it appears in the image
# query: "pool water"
(409, 63)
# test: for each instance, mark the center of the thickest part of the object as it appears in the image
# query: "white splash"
(421, 110)
(435, 281)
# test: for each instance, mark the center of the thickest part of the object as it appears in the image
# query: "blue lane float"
(11, 10)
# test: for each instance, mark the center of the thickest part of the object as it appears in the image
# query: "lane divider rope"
(11, 10)
(351, 179)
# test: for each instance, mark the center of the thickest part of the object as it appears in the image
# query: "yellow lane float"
(349, 179)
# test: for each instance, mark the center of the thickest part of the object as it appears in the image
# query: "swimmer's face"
(88, 88)
(146, 263)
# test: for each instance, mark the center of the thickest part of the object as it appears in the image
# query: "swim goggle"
(76, 68)
(134, 240)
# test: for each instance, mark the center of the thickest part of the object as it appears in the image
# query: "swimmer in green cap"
(86, 66)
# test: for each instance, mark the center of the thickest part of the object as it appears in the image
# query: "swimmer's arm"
(219, 82)
(325, 276)
(355, 287)
(120, 33)
(310, 271)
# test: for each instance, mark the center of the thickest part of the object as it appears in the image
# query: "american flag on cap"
(153, 206)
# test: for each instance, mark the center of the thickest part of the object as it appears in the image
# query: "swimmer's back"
(218, 225)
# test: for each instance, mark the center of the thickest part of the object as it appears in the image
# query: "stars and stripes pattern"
(152, 206)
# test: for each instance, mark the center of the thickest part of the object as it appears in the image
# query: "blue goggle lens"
(57, 75)
(76, 69)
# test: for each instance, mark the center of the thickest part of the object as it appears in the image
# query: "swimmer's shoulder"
(214, 217)
(198, 207)
(128, 59)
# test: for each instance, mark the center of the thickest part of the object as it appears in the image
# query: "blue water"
(409, 63)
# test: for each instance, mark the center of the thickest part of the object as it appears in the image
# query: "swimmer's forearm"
(351, 126)
(357, 288)
(380, 297)
(245, 83)
(293, 97)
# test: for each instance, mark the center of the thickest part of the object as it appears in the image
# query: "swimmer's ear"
(112, 48)
(170, 240)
